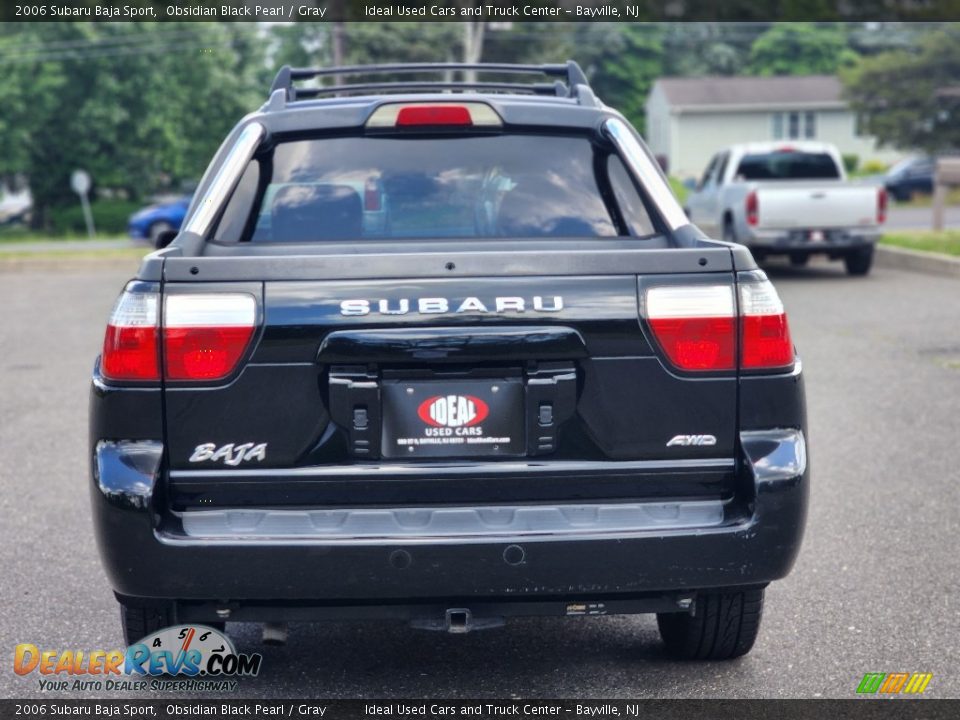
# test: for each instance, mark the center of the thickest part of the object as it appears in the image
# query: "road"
(874, 590)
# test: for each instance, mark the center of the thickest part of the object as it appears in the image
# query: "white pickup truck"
(789, 198)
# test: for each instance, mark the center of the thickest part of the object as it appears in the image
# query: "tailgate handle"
(452, 344)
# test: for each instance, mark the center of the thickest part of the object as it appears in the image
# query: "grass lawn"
(679, 189)
(10, 237)
(946, 242)
(93, 254)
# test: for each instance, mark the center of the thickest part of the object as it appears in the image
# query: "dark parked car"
(447, 353)
(153, 221)
(913, 176)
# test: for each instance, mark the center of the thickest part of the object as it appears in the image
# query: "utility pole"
(472, 47)
(338, 36)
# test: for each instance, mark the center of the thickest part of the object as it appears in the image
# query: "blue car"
(913, 176)
(153, 220)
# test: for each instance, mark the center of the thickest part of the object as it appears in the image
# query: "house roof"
(731, 93)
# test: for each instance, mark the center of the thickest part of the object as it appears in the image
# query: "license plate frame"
(453, 418)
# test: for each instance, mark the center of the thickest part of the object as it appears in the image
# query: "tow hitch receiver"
(457, 621)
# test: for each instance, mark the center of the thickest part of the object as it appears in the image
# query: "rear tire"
(724, 626)
(138, 622)
(729, 232)
(858, 261)
(156, 230)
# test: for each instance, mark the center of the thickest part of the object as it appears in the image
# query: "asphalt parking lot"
(875, 588)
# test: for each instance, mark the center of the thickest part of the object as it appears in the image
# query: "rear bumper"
(801, 240)
(659, 548)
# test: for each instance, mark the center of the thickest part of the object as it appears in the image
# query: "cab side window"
(705, 178)
(721, 168)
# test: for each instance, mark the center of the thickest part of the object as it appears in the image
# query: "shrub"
(850, 162)
(874, 167)
(109, 217)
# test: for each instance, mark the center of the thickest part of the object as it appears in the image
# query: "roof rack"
(570, 80)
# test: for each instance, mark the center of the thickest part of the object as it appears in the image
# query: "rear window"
(490, 186)
(788, 165)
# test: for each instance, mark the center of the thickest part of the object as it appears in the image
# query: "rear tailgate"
(449, 377)
(785, 205)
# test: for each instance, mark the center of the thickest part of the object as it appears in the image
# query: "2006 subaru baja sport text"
(446, 352)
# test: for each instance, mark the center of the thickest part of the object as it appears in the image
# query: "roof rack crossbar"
(569, 72)
(532, 89)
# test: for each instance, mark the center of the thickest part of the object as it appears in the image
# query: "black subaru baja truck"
(446, 352)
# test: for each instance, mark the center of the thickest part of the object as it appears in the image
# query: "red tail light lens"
(204, 353)
(205, 336)
(130, 348)
(752, 208)
(694, 325)
(433, 115)
(371, 195)
(411, 115)
(882, 202)
(765, 339)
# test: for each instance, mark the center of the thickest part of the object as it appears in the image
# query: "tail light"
(203, 336)
(130, 347)
(371, 195)
(882, 202)
(433, 115)
(752, 208)
(765, 335)
(418, 115)
(696, 326)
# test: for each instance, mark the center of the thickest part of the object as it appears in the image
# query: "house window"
(794, 125)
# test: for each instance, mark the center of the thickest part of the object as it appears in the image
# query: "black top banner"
(480, 10)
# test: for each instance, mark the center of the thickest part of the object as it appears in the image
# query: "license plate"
(460, 418)
(816, 236)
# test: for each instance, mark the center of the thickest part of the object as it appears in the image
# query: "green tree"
(911, 99)
(708, 48)
(139, 105)
(801, 49)
(622, 62)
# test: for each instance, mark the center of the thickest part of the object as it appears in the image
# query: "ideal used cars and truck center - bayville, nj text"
(292, 11)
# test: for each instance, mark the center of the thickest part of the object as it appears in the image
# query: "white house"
(689, 119)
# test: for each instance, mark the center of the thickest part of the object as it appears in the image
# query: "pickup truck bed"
(322, 402)
(790, 199)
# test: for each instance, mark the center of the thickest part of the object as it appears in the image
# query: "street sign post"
(80, 183)
(947, 175)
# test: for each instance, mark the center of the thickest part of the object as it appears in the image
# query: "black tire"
(156, 230)
(138, 622)
(858, 261)
(724, 626)
(799, 260)
(729, 233)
